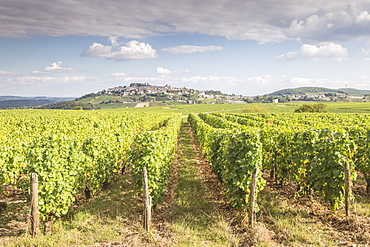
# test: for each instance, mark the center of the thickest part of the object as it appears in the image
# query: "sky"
(68, 48)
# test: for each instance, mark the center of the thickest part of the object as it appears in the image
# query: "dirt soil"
(344, 231)
(13, 219)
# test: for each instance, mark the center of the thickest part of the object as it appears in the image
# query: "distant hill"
(7, 102)
(318, 90)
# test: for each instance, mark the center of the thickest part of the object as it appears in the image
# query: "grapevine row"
(71, 151)
(233, 153)
(155, 150)
(308, 150)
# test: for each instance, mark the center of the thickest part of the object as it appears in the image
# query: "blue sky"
(70, 48)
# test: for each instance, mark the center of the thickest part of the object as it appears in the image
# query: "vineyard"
(309, 150)
(79, 153)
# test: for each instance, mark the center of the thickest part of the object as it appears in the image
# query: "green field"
(185, 109)
(163, 102)
(115, 106)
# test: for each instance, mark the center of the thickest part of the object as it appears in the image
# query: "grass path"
(197, 219)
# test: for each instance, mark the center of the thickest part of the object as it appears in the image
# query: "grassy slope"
(86, 100)
(115, 106)
(333, 107)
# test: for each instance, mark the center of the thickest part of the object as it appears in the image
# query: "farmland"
(80, 157)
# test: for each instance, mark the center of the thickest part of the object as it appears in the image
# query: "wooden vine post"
(347, 187)
(252, 197)
(34, 215)
(147, 201)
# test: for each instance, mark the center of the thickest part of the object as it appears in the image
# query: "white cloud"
(330, 50)
(113, 40)
(363, 18)
(119, 74)
(264, 79)
(134, 50)
(366, 50)
(98, 50)
(131, 50)
(2, 72)
(54, 67)
(39, 72)
(163, 71)
(341, 23)
(152, 80)
(188, 49)
(302, 81)
(313, 52)
(289, 56)
(48, 80)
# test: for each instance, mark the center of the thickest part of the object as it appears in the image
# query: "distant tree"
(330, 94)
(213, 92)
(248, 100)
(319, 107)
(284, 99)
(305, 108)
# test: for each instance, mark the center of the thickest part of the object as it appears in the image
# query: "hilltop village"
(149, 93)
(144, 92)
